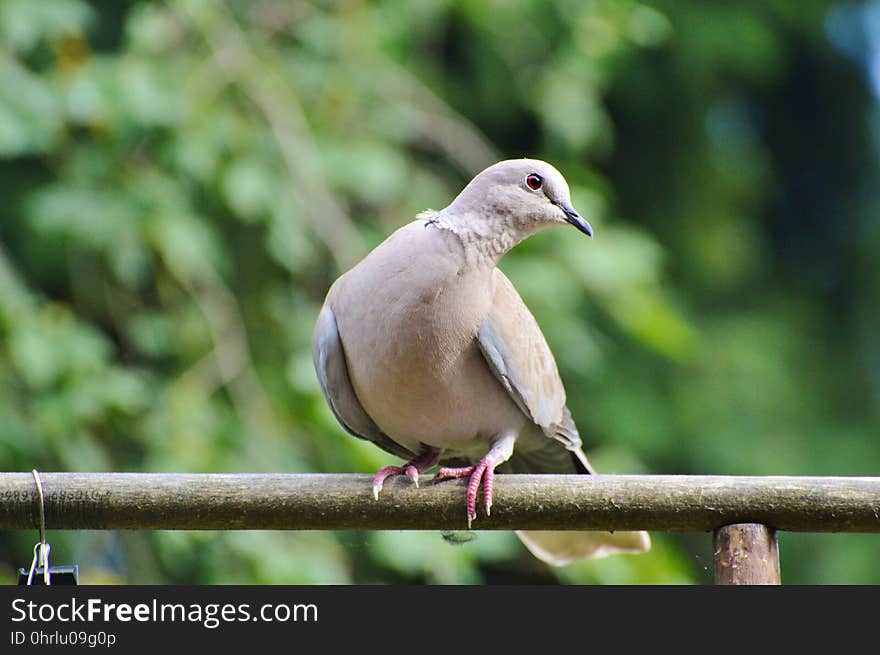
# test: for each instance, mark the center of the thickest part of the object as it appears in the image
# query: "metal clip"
(41, 548)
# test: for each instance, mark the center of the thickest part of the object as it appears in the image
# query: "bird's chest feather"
(421, 336)
(414, 360)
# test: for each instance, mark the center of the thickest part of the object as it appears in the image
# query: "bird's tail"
(561, 547)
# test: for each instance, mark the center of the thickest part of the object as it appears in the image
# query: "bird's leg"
(426, 458)
(483, 471)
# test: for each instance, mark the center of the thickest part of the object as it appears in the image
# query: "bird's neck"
(484, 240)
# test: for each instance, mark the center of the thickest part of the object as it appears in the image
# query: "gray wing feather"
(503, 365)
(517, 353)
(332, 369)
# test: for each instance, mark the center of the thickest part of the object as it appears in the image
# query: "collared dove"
(426, 349)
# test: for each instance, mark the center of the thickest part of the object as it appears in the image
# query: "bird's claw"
(480, 473)
(409, 470)
(413, 474)
(381, 475)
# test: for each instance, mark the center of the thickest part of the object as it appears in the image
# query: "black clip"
(59, 575)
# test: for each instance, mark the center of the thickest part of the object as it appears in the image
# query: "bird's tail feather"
(561, 547)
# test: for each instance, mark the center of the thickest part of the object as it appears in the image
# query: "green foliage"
(183, 180)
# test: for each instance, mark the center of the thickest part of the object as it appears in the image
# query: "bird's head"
(518, 195)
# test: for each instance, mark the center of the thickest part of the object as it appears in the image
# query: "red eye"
(534, 181)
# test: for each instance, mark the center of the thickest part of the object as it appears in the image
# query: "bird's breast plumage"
(412, 353)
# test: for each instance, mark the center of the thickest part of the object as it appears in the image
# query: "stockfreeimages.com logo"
(209, 615)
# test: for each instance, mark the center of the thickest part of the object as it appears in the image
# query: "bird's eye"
(534, 181)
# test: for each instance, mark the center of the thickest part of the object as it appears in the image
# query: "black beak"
(571, 216)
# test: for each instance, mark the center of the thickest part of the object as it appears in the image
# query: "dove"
(426, 349)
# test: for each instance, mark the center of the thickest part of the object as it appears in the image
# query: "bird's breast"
(414, 360)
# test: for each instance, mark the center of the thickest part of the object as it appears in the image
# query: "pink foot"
(386, 472)
(412, 469)
(483, 472)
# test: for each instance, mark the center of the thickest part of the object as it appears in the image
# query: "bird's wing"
(518, 354)
(332, 369)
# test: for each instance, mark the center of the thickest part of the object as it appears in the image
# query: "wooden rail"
(742, 512)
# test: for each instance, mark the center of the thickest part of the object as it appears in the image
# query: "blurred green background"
(182, 181)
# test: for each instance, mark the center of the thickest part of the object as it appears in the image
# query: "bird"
(426, 349)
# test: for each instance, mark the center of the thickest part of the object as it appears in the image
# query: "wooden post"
(746, 554)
